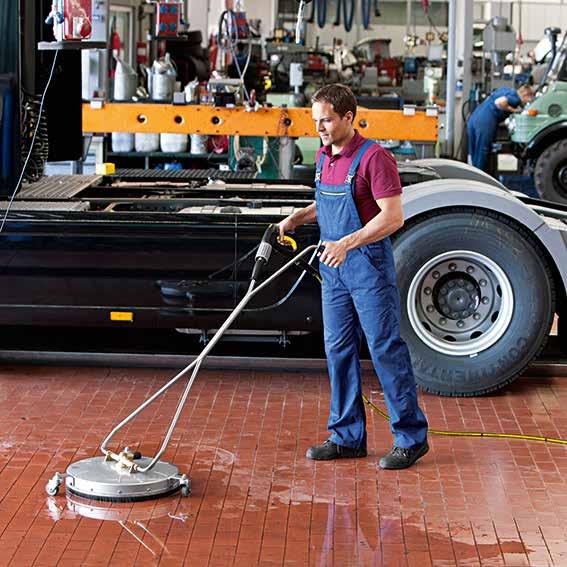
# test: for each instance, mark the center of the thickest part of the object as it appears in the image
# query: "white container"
(162, 78)
(173, 142)
(162, 87)
(146, 142)
(122, 142)
(125, 81)
(192, 92)
(199, 144)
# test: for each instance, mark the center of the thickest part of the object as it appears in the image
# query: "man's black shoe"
(400, 458)
(329, 451)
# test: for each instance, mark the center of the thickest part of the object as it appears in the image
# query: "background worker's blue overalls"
(483, 125)
(361, 295)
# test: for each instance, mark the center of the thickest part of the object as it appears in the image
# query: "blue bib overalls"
(361, 295)
(482, 126)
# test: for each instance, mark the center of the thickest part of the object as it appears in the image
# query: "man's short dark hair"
(340, 96)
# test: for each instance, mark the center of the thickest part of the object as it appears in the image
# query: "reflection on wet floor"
(133, 517)
(256, 500)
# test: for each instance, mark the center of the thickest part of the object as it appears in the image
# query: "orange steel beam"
(409, 124)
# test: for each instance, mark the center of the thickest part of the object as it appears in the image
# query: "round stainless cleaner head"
(99, 479)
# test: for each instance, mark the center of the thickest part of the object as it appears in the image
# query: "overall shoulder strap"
(356, 161)
(319, 169)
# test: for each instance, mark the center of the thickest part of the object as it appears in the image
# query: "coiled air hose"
(321, 13)
(339, 8)
(365, 9)
(348, 17)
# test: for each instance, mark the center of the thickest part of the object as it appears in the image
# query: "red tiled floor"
(256, 499)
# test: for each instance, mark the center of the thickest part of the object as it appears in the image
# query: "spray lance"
(300, 18)
(128, 476)
(286, 246)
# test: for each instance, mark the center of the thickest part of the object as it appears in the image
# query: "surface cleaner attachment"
(127, 476)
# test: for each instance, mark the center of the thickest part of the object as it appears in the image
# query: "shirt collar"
(349, 150)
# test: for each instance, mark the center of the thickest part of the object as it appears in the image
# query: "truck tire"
(477, 300)
(550, 174)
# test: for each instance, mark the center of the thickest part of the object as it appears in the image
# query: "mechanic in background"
(483, 122)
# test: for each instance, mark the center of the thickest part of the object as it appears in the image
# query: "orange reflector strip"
(122, 316)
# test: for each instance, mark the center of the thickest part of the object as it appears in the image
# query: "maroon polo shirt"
(376, 178)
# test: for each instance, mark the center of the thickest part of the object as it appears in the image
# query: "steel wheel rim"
(560, 178)
(477, 293)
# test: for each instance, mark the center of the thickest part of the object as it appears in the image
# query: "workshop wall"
(393, 23)
(528, 18)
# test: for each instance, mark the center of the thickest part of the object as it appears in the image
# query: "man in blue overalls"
(357, 206)
(483, 122)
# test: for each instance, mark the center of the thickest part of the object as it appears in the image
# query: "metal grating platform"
(57, 187)
(49, 206)
(184, 174)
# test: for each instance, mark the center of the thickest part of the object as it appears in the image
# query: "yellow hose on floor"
(291, 242)
(473, 433)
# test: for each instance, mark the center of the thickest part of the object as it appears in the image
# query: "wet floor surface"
(256, 500)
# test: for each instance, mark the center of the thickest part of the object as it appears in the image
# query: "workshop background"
(392, 53)
(148, 151)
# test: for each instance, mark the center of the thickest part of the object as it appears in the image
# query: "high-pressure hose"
(270, 238)
(270, 241)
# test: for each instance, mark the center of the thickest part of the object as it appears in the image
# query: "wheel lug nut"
(460, 324)
(446, 310)
(471, 305)
(482, 283)
(442, 321)
(435, 275)
(454, 315)
(430, 308)
(451, 284)
(469, 287)
(465, 314)
(476, 316)
(452, 267)
(427, 291)
(484, 300)
(443, 291)
(470, 270)
(442, 301)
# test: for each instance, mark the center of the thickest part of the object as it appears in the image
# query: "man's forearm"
(304, 216)
(378, 228)
(507, 107)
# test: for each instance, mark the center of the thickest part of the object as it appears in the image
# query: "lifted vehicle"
(481, 271)
(539, 133)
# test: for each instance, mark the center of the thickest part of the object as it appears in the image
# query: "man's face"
(526, 96)
(331, 127)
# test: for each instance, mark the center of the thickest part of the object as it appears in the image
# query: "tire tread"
(531, 239)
